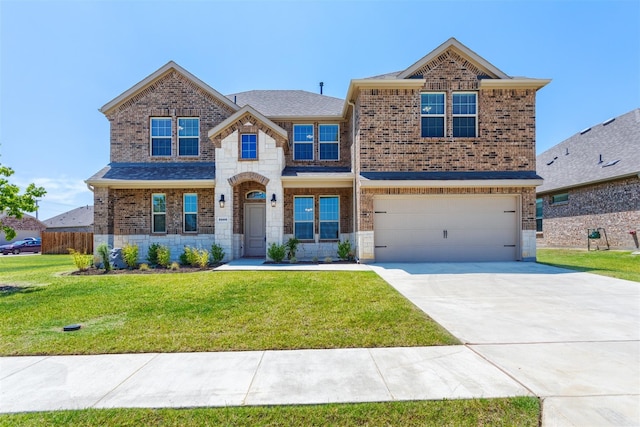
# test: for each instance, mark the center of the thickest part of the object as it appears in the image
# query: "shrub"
(328, 260)
(189, 256)
(344, 250)
(152, 255)
(292, 247)
(130, 255)
(202, 258)
(164, 256)
(293, 260)
(103, 253)
(217, 253)
(175, 266)
(81, 260)
(276, 252)
(144, 267)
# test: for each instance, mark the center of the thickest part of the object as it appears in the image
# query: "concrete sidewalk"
(249, 378)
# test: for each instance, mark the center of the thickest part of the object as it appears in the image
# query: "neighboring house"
(592, 180)
(27, 226)
(76, 220)
(432, 163)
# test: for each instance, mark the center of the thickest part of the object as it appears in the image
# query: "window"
(161, 137)
(190, 207)
(256, 195)
(329, 142)
(432, 114)
(538, 214)
(249, 146)
(302, 142)
(329, 217)
(188, 136)
(560, 198)
(159, 213)
(303, 217)
(464, 114)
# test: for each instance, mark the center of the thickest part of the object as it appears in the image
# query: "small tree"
(152, 254)
(13, 203)
(292, 247)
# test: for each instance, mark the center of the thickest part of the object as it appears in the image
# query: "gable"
(248, 120)
(453, 50)
(166, 75)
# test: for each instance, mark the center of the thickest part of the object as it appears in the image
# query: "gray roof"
(603, 152)
(450, 175)
(78, 217)
(157, 171)
(299, 170)
(289, 103)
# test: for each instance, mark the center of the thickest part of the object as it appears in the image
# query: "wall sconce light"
(273, 200)
(221, 201)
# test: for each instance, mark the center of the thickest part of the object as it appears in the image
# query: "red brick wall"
(171, 96)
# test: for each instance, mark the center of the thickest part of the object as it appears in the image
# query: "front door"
(255, 230)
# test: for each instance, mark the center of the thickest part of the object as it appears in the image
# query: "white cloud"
(63, 194)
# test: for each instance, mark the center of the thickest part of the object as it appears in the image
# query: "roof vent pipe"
(600, 160)
(321, 85)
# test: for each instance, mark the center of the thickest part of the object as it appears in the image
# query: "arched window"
(256, 195)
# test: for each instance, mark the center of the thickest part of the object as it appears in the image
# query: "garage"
(457, 228)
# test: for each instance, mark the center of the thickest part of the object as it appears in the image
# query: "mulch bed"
(101, 272)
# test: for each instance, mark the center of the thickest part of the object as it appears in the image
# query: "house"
(435, 162)
(76, 220)
(591, 181)
(27, 226)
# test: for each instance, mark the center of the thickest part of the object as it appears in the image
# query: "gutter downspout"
(354, 170)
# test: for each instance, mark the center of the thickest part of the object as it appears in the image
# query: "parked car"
(15, 248)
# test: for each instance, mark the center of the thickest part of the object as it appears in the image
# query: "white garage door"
(446, 228)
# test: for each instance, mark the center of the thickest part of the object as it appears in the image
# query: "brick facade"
(346, 207)
(614, 206)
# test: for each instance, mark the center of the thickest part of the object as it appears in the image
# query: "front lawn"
(517, 411)
(205, 311)
(619, 264)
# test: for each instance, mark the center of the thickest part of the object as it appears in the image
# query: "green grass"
(205, 311)
(619, 264)
(519, 411)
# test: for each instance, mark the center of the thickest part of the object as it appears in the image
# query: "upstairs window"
(190, 207)
(329, 217)
(464, 114)
(188, 136)
(303, 217)
(160, 136)
(302, 142)
(249, 146)
(432, 110)
(159, 213)
(329, 142)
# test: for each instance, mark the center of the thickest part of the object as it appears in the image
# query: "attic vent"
(611, 163)
(608, 121)
(582, 132)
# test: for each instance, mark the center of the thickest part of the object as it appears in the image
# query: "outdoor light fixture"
(222, 201)
(273, 200)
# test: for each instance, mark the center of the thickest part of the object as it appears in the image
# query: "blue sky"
(61, 61)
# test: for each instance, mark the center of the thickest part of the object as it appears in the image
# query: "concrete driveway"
(571, 338)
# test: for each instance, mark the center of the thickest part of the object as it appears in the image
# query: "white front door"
(255, 230)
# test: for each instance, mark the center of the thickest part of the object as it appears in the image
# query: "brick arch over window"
(248, 176)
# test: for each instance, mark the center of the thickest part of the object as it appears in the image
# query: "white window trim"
(475, 116)
(320, 221)
(328, 142)
(151, 137)
(443, 115)
(153, 214)
(313, 220)
(185, 213)
(313, 139)
(179, 137)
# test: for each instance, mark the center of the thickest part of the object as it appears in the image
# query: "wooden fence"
(59, 242)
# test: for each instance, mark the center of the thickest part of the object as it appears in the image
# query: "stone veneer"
(613, 205)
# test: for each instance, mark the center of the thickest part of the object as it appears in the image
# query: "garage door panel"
(446, 228)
